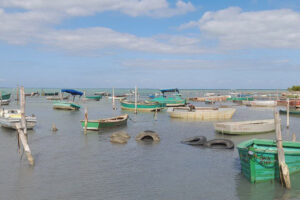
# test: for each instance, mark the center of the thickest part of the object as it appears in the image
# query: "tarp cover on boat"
(169, 90)
(73, 92)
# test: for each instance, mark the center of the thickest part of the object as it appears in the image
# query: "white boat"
(203, 113)
(260, 103)
(4, 102)
(10, 117)
(245, 127)
(57, 97)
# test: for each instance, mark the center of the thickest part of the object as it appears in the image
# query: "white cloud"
(258, 29)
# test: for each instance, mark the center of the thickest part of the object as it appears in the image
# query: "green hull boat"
(142, 106)
(5, 96)
(293, 112)
(170, 101)
(63, 105)
(240, 99)
(105, 123)
(95, 98)
(259, 160)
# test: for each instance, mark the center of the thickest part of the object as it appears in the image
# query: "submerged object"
(220, 144)
(147, 135)
(196, 140)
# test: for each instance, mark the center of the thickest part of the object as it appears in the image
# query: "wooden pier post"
(283, 168)
(113, 99)
(294, 137)
(85, 120)
(22, 105)
(18, 95)
(135, 100)
(288, 113)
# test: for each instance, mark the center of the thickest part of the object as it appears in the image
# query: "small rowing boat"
(10, 117)
(105, 123)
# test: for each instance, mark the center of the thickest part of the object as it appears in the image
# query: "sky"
(188, 44)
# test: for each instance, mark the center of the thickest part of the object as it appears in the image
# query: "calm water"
(71, 165)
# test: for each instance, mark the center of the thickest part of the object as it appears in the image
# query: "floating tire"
(197, 140)
(220, 144)
(147, 136)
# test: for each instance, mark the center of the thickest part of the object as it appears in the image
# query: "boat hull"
(105, 123)
(11, 123)
(259, 160)
(142, 106)
(65, 106)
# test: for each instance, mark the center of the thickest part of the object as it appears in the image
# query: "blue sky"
(150, 43)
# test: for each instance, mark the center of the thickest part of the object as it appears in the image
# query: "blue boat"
(173, 100)
(68, 105)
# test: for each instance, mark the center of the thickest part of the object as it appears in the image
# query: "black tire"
(197, 140)
(220, 144)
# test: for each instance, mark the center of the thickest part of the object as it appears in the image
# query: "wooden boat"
(203, 113)
(105, 94)
(105, 123)
(118, 97)
(292, 112)
(57, 97)
(4, 102)
(257, 103)
(245, 127)
(259, 161)
(209, 102)
(141, 105)
(5, 96)
(64, 105)
(293, 102)
(170, 101)
(240, 99)
(10, 117)
(49, 93)
(93, 98)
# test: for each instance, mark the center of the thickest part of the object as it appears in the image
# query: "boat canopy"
(169, 90)
(72, 92)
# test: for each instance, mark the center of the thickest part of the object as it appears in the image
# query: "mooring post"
(283, 168)
(18, 95)
(113, 99)
(288, 113)
(85, 120)
(135, 100)
(22, 105)
(155, 115)
(294, 137)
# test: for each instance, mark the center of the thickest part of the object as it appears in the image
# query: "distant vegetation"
(294, 88)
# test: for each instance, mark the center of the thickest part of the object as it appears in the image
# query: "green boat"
(105, 123)
(95, 98)
(259, 161)
(240, 99)
(142, 105)
(5, 96)
(64, 105)
(293, 112)
(170, 101)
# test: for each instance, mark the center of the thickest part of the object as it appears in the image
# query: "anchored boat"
(259, 160)
(174, 100)
(203, 113)
(65, 105)
(10, 117)
(141, 105)
(245, 127)
(105, 123)
(260, 103)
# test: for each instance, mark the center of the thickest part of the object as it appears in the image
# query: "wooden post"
(24, 141)
(22, 105)
(283, 168)
(113, 99)
(135, 100)
(294, 137)
(18, 95)
(0, 99)
(288, 113)
(155, 115)
(85, 120)
(61, 96)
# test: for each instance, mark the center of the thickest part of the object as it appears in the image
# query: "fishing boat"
(105, 94)
(49, 93)
(141, 105)
(203, 113)
(235, 99)
(292, 111)
(118, 97)
(259, 159)
(170, 101)
(65, 105)
(105, 123)
(4, 102)
(209, 102)
(245, 127)
(258, 103)
(57, 97)
(5, 96)
(93, 98)
(10, 117)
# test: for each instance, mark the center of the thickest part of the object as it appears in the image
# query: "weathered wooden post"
(22, 129)
(54, 129)
(61, 96)
(288, 113)
(283, 168)
(155, 115)
(85, 120)
(113, 99)
(294, 137)
(18, 95)
(135, 100)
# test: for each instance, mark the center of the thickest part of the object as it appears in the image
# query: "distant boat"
(258, 103)
(5, 96)
(104, 94)
(49, 93)
(240, 99)
(64, 105)
(170, 101)
(93, 98)
(118, 97)
(259, 159)
(245, 127)
(4, 102)
(291, 111)
(57, 97)
(203, 113)
(105, 123)
(10, 117)
(209, 102)
(142, 105)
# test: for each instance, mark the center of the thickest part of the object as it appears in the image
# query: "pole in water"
(85, 120)
(54, 129)
(155, 115)
(288, 113)
(22, 105)
(135, 100)
(113, 99)
(294, 137)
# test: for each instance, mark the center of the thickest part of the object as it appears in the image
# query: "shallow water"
(71, 165)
